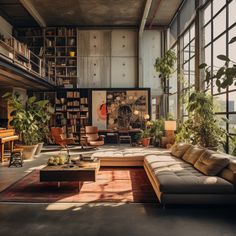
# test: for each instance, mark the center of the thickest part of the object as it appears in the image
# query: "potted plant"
(157, 131)
(201, 127)
(42, 113)
(145, 134)
(27, 121)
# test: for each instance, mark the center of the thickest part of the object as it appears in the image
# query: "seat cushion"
(179, 149)
(211, 163)
(96, 143)
(176, 176)
(108, 154)
(192, 154)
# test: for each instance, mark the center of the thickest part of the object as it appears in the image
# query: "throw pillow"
(192, 154)
(211, 163)
(179, 149)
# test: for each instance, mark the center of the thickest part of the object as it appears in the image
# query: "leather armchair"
(92, 138)
(60, 139)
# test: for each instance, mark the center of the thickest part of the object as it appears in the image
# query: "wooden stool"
(16, 158)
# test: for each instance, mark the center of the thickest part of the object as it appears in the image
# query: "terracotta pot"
(28, 151)
(39, 148)
(146, 142)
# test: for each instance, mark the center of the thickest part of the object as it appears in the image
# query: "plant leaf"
(232, 40)
(203, 65)
(223, 57)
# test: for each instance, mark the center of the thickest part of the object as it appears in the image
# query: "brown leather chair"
(60, 139)
(92, 138)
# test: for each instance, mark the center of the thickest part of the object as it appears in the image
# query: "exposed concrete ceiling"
(89, 13)
(16, 14)
(162, 11)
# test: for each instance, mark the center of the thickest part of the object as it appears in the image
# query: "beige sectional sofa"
(184, 175)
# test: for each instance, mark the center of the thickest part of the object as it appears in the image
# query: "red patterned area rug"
(112, 185)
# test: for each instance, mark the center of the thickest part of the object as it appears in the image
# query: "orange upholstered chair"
(60, 138)
(92, 138)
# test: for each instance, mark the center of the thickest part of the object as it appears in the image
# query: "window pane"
(232, 46)
(219, 47)
(232, 15)
(219, 23)
(232, 146)
(220, 102)
(192, 48)
(186, 38)
(217, 5)
(173, 105)
(220, 119)
(208, 55)
(207, 14)
(232, 123)
(186, 54)
(232, 102)
(192, 32)
(207, 34)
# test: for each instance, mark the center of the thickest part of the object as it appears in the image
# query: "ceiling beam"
(33, 12)
(144, 18)
(155, 12)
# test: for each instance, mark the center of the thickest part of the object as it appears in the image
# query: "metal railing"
(19, 54)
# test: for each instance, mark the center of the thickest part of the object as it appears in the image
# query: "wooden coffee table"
(82, 171)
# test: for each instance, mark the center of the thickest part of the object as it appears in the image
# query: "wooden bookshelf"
(58, 47)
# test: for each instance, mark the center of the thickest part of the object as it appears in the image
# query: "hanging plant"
(165, 66)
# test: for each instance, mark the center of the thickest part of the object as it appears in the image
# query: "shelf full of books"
(57, 46)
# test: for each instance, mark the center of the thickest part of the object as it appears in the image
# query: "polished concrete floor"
(106, 218)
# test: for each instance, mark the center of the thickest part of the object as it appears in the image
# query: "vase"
(39, 148)
(146, 142)
(28, 151)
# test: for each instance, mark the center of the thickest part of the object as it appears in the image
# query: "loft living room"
(117, 117)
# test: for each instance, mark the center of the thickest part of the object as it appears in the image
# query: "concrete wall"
(107, 58)
(5, 27)
(149, 50)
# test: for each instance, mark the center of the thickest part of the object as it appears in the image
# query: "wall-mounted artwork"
(126, 108)
(99, 109)
(120, 108)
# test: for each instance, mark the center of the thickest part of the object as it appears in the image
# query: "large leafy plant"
(201, 127)
(223, 76)
(157, 130)
(29, 118)
(165, 66)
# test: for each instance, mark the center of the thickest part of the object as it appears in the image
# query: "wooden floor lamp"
(170, 127)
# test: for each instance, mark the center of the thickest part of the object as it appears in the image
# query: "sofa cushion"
(192, 154)
(211, 163)
(229, 172)
(179, 149)
(176, 176)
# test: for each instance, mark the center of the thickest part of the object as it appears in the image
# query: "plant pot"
(72, 54)
(39, 148)
(28, 151)
(146, 142)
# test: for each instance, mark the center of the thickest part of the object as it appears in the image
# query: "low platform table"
(81, 171)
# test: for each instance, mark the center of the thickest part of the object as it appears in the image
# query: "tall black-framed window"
(187, 62)
(218, 27)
